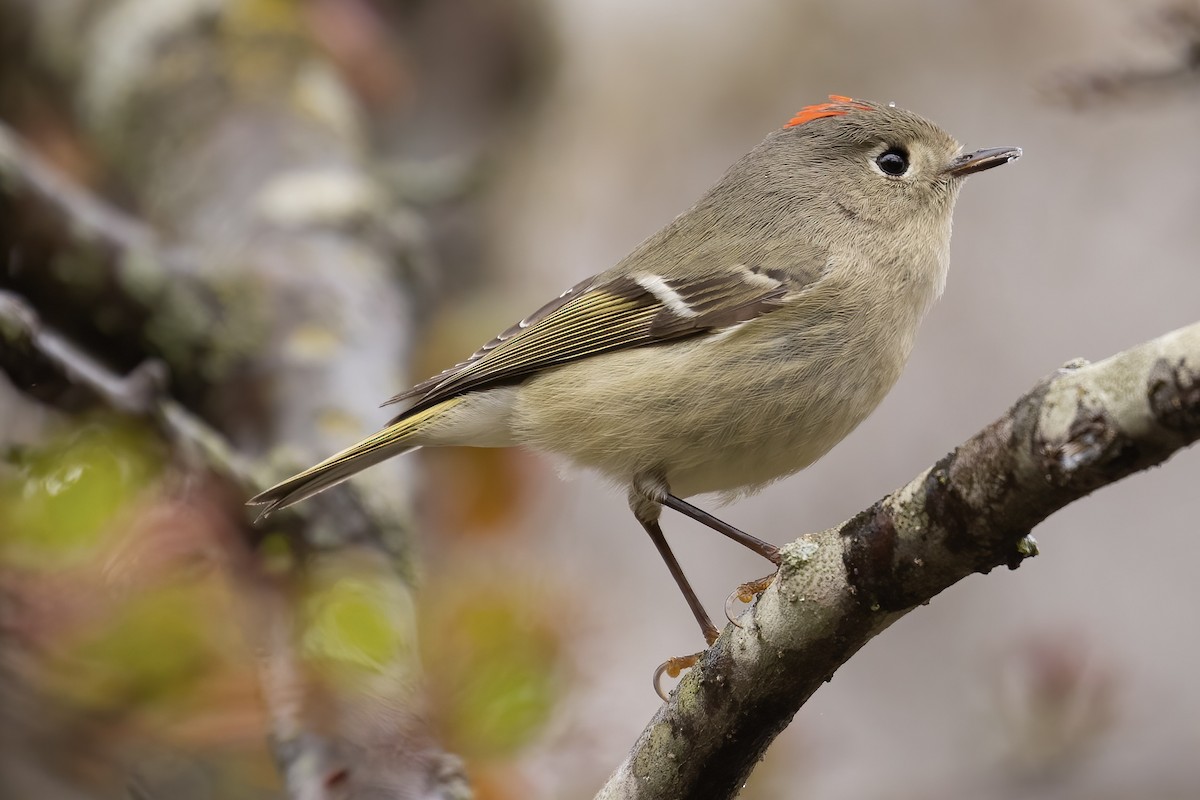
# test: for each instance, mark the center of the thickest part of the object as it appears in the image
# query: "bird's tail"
(402, 435)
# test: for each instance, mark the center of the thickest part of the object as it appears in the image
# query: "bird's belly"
(766, 442)
(705, 423)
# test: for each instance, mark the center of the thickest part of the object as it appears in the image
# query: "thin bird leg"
(656, 535)
(764, 549)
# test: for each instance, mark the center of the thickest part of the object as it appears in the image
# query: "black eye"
(893, 161)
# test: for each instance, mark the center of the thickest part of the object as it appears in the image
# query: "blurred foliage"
(121, 629)
(485, 491)
(63, 497)
(474, 492)
(494, 649)
(151, 651)
(352, 625)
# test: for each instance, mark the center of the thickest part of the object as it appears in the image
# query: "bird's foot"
(672, 667)
(745, 594)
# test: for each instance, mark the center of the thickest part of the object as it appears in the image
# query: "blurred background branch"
(259, 294)
(1175, 73)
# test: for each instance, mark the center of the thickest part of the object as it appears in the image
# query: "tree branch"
(1082, 428)
(52, 369)
(263, 275)
(67, 250)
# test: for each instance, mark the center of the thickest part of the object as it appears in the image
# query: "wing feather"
(594, 317)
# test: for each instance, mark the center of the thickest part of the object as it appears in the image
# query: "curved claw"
(734, 597)
(672, 667)
(746, 593)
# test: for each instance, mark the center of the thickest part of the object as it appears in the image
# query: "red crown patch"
(836, 107)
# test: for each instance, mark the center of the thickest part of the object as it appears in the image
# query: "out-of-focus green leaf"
(65, 494)
(495, 659)
(351, 625)
(275, 552)
(150, 653)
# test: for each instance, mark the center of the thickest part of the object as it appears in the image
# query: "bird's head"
(849, 174)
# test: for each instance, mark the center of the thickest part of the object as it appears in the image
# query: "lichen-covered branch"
(54, 370)
(263, 270)
(1082, 428)
(65, 250)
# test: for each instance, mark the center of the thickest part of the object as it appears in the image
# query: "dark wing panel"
(592, 318)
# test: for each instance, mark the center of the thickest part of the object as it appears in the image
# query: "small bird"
(734, 347)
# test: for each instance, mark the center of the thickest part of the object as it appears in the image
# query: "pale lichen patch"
(312, 342)
(318, 197)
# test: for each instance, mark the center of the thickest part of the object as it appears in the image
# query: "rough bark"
(1082, 428)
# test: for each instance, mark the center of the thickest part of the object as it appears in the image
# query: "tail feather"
(393, 440)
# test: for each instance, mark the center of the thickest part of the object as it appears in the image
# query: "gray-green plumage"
(735, 346)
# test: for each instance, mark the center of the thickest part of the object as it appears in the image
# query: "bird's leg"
(764, 549)
(677, 664)
(645, 496)
(750, 589)
(656, 535)
(644, 500)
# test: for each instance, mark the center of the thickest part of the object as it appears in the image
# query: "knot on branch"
(1092, 440)
(1174, 394)
(873, 569)
(1094, 449)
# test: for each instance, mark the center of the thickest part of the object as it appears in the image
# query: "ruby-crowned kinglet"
(732, 348)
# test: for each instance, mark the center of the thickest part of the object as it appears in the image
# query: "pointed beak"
(970, 163)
